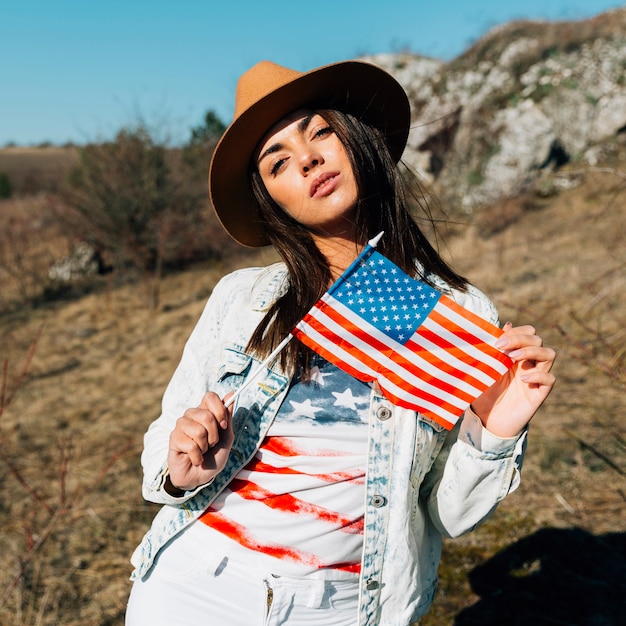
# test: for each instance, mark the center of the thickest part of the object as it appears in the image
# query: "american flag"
(426, 352)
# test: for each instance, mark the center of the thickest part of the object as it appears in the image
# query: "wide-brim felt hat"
(265, 94)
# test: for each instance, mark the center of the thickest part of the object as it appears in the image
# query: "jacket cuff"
(474, 434)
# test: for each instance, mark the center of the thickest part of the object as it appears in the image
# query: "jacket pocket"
(429, 438)
(235, 365)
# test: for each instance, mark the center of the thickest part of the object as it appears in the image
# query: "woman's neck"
(340, 251)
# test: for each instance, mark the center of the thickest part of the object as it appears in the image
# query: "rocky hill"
(524, 100)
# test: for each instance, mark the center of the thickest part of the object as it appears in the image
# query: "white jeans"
(190, 585)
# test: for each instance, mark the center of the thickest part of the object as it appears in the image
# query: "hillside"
(83, 377)
(527, 97)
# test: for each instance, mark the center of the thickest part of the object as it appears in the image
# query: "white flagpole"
(259, 369)
(374, 242)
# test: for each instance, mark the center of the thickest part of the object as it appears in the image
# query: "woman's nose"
(309, 161)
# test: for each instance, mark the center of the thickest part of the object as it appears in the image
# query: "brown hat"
(268, 92)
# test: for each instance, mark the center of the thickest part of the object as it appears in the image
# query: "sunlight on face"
(306, 170)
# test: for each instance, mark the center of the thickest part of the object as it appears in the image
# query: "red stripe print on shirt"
(289, 504)
(241, 534)
(356, 477)
(283, 446)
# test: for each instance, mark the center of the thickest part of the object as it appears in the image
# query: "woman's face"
(307, 172)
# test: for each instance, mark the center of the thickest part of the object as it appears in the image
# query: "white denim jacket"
(422, 481)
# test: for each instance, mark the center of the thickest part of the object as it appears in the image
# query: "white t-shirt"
(298, 505)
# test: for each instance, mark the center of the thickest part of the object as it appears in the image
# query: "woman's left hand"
(508, 405)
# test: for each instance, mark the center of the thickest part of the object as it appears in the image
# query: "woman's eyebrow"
(303, 124)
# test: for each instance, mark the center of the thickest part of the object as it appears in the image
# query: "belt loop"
(318, 591)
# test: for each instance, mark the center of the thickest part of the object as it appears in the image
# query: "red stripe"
(287, 503)
(469, 338)
(482, 323)
(241, 534)
(256, 465)
(283, 446)
(374, 367)
(397, 358)
(424, 411)
(439, 363)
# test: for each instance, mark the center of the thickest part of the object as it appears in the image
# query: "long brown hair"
(383, 205)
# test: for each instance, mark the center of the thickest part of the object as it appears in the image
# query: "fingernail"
(516, 354)
(224, 424)
(502, 342)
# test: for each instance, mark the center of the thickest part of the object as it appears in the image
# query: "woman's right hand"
(200, 444)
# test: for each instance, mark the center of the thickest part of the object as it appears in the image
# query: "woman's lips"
(324, 184)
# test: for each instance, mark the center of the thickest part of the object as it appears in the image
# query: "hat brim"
(355, 86)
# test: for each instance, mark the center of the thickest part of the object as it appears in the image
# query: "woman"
(315, 500)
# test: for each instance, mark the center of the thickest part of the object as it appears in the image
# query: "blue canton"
(386, 297)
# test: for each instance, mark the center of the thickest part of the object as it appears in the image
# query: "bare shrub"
(51, 503)
(140, 206)
(26, 250)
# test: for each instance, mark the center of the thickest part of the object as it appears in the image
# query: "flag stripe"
(426, 352)
(289, 504)
(389, 366)
(240, 533)
(438, 353)
(397, 357)
(352, 352)
(435, 410)
(458, 315)
(459, 343)
(434, 335)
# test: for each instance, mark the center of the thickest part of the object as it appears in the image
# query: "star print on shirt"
(347, 399)
(304, 409)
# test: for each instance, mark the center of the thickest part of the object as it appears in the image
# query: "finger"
(538, 378)
(213, 403)
(518, 338)
(537, 356)
(201, 426)
(182, 444)
(526, 329)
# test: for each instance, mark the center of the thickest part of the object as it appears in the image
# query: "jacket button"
(378, 501)
(383, 413)
(372, 585)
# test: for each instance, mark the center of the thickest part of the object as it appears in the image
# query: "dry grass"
(73, 431)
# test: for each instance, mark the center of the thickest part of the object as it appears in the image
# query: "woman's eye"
(320, 132)
(276, 166)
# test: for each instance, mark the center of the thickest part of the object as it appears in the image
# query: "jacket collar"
(272, 283)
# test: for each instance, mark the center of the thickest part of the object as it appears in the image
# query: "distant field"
(33, 169)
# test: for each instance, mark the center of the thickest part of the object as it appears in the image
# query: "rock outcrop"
(529, 96)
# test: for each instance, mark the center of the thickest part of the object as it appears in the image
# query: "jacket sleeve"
(475, 469)
(191, 380)
(473, 472)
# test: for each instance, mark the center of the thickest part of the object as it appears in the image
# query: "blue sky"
(79, 70)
